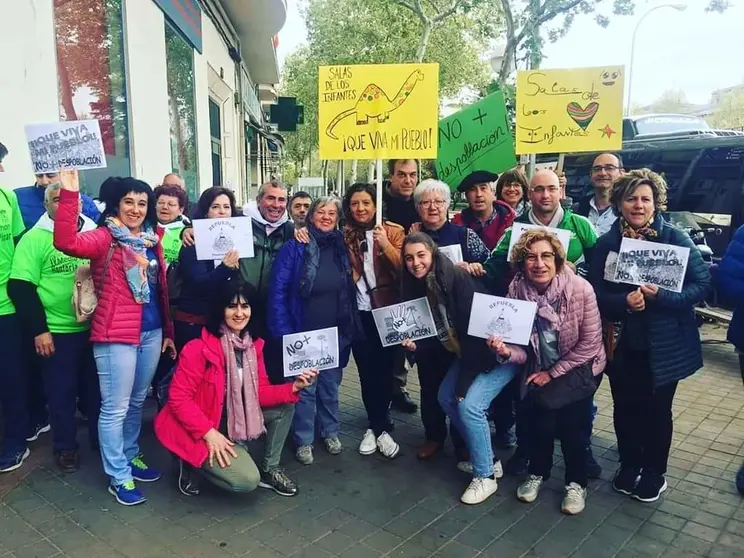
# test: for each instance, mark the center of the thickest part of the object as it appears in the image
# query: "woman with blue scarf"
(312, 288)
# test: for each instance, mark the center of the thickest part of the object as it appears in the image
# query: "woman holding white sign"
(653, 340)
(458, 373)
(374, 253)
(565, 359)
(312, 288)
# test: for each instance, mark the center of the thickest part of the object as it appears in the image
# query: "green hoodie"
(11, 226)
(37, 261)
(583, 239)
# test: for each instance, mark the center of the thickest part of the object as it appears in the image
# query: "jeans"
(318, 405)
(569, 425)
(70, 367)
(375, 364)
(642, 415)
(124, 374)
(469, 415)
(13, 387)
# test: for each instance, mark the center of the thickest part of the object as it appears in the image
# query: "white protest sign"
(507, 318)
(453, 252)
(216, 237)
(407, 320)
(518, 229)
(641, 262)
(310, 349)
(73, 144)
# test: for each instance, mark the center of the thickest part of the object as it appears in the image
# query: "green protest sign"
(476, 138)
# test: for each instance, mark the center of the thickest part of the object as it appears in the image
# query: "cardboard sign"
(408, 320)
(476, 138)
(73, 144)
(216, 237)
(518, 229)
(641, 262)
(310, 349)
(507, 318)
(383, 111)
(453, 252)
(568, 111)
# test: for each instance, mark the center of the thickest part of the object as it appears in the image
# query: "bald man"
(172, 179)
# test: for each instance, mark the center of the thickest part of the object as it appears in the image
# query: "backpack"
(84, 294)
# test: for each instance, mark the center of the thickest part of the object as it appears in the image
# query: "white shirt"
(602, 221)
(363, 302)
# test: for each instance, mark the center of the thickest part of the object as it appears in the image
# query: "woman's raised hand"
(408, 345)
(635, 300)
(69, 179)
(304, 380)
(231, 259)
(219, 447)
(497, 345)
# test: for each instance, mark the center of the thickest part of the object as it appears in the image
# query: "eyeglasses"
(429, 203)
(606, 168)
(542, 189)
(512, 186)
(546, 257)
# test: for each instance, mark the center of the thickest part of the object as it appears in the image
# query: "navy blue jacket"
(31, 204)
(730, 282)
(473, 249)
(199, 279)
(674, 339)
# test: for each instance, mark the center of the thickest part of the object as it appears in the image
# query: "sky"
(691, 50)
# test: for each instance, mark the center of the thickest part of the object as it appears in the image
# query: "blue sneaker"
(141, 472)
(13, 461)
(127, 494)
(37, 429)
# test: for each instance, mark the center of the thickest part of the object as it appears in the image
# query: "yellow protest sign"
(384, 111)
(568, 111)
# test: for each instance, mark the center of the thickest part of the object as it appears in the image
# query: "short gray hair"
(432, 185)
(49, 191)
(321, 201)
(270, 184)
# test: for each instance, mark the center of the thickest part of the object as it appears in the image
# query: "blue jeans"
(124, 374)
(469, 415)
(318, 403)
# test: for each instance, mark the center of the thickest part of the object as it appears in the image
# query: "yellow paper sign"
(385, 111)
(567, 111)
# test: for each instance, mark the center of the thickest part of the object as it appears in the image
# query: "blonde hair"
(522, 248)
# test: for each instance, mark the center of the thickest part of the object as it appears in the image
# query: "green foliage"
(729, 112)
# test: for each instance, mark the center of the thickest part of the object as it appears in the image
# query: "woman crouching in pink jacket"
(565, 359)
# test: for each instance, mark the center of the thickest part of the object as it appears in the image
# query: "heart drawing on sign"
(583, 116)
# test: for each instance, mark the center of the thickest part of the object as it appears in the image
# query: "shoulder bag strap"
(105, 267)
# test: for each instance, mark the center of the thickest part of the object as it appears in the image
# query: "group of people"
(209, 332)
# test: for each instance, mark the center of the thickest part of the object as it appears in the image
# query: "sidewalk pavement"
(361, 507)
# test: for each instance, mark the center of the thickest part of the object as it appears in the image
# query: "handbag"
(575, 385)
(84, 294)
(379, 297)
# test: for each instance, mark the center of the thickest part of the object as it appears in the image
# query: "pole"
(378, 201)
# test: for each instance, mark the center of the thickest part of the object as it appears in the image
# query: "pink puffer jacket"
(118, 318)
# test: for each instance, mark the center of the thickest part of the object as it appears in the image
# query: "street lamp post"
(679, 8)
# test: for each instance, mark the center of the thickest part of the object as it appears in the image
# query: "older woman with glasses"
(511, 188)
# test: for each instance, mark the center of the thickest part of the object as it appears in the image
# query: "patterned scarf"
(244, 417)
(355, 234)
(134, 248)
(646, 232)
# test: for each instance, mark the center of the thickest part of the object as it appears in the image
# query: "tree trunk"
(424, 41)
(354, 167)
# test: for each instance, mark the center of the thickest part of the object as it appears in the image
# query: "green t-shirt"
(39, 262)
(172, 242)
(11, 226)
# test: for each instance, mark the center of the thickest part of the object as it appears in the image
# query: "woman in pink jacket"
(565, 359)
(131, 325)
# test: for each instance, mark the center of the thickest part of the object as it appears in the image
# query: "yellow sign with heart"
(569, 111)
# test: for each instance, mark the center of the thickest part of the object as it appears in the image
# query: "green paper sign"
(476, 138)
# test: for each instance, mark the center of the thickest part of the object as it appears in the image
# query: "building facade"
(177, 86)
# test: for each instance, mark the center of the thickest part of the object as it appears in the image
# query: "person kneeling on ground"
(565, 358)
(220, 398)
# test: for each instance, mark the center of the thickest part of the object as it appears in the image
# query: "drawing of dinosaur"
(374, 103)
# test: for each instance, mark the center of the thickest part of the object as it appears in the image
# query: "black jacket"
(399, 211)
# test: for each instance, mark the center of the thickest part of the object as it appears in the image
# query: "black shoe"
(188, 480)
(402, 402)
(593, 469)
(517, 464)
(36, 430)
(626, 479)
(278, 481)
(67, 461)
(649, 488)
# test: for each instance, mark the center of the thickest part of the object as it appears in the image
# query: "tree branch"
(416, 8)
(510, 51)
(441, 16)
(544, 17)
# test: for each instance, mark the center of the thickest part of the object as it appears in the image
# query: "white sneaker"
(574, 500)
(305, 455)
(333, 446)
(479, 490)
(529, 489)
(467, 467)
(369, 443)
(388, 447)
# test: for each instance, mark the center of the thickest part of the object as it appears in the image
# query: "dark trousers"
(642, 414)
(569, 425)
(35, 397)
(432, 365)
(13, 386)
(185, 332)
(375, 364)
(741, 366)
(71, 364)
